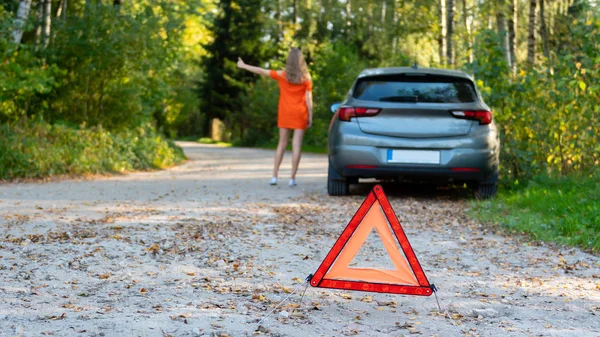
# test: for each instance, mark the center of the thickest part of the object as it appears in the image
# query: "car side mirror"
(334, 107)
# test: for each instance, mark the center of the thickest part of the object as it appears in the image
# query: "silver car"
(413, 124)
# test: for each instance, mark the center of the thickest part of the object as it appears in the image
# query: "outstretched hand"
(240, 63)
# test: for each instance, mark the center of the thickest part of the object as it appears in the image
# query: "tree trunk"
(442, 36)
(450, 33)
(39, 24)
(512, 36)
(395, 21)
(383, 12)
(544, 30)
(348, 19)
(117, 5)
(501, 22)
(22, 15)
(295, 12)
(60, 8)
(370, 21)
(468, 34)
(278, 22)
(47, 22)
(531, 33)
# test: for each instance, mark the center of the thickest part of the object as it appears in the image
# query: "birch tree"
(442, 37)
(22, 15)
(531, 33)
(47, 22)
(450, 33)
(501, 22)
(512, 35)
(544, 30)
(468, 30)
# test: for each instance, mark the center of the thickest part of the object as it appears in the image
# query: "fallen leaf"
(367, 299)
(104, 276)
(154, 248)
(260, 297)
(386, 303)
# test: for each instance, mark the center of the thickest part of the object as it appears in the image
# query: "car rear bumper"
(462, 164)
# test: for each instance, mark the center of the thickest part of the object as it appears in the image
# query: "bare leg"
(284, 136)
(296, 150)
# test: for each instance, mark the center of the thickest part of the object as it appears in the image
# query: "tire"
(336, 184)
(485, 191)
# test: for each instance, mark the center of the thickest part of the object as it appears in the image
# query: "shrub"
(38, 149)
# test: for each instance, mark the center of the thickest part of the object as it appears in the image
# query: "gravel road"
(208, 248)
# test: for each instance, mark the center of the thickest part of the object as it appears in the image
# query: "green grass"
(40, 150)
(206, 140)
(564, 210)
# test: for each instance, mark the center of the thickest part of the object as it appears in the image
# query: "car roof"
(412, 70)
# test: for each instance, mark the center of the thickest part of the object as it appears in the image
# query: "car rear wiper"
(410, 99)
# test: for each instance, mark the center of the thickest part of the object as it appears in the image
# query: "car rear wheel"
(336, 184)
(485, 191)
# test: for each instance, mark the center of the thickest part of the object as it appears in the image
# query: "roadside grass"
(564, 210)
(40, 150)
(206, 140)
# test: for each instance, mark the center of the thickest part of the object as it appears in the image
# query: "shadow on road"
(416, 191)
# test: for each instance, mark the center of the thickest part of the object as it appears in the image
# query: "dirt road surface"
(209, 248)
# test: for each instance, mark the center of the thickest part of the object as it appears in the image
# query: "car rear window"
(415, 88)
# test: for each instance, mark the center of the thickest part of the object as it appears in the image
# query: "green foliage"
(38, 149)
(564, 210)
(115, 67)
(118, 67)
(23, 76)
(257, 125)
(547, 117)
(334, 70)
(237, 30)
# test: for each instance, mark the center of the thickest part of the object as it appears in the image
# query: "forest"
(166, 69)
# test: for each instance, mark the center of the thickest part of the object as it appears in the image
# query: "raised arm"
(253, 69)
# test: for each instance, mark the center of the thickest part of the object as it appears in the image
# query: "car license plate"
(413, 157)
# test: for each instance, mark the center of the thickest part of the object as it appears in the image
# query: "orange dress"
(293, 112)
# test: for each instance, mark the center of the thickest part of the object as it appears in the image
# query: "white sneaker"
(273, 181)
(292, 182)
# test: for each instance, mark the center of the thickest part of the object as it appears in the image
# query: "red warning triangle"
(374, 213)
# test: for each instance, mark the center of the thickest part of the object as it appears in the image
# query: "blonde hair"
(296, 70)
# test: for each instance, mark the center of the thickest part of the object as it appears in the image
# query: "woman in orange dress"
(295, 106)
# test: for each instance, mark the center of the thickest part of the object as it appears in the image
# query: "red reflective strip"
(401, 236)
(376, 287)
(465, 169)
(377, 193)
(361, 166)
(343, 239)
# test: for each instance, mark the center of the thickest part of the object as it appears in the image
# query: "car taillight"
(347, 112)
(483, 116)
